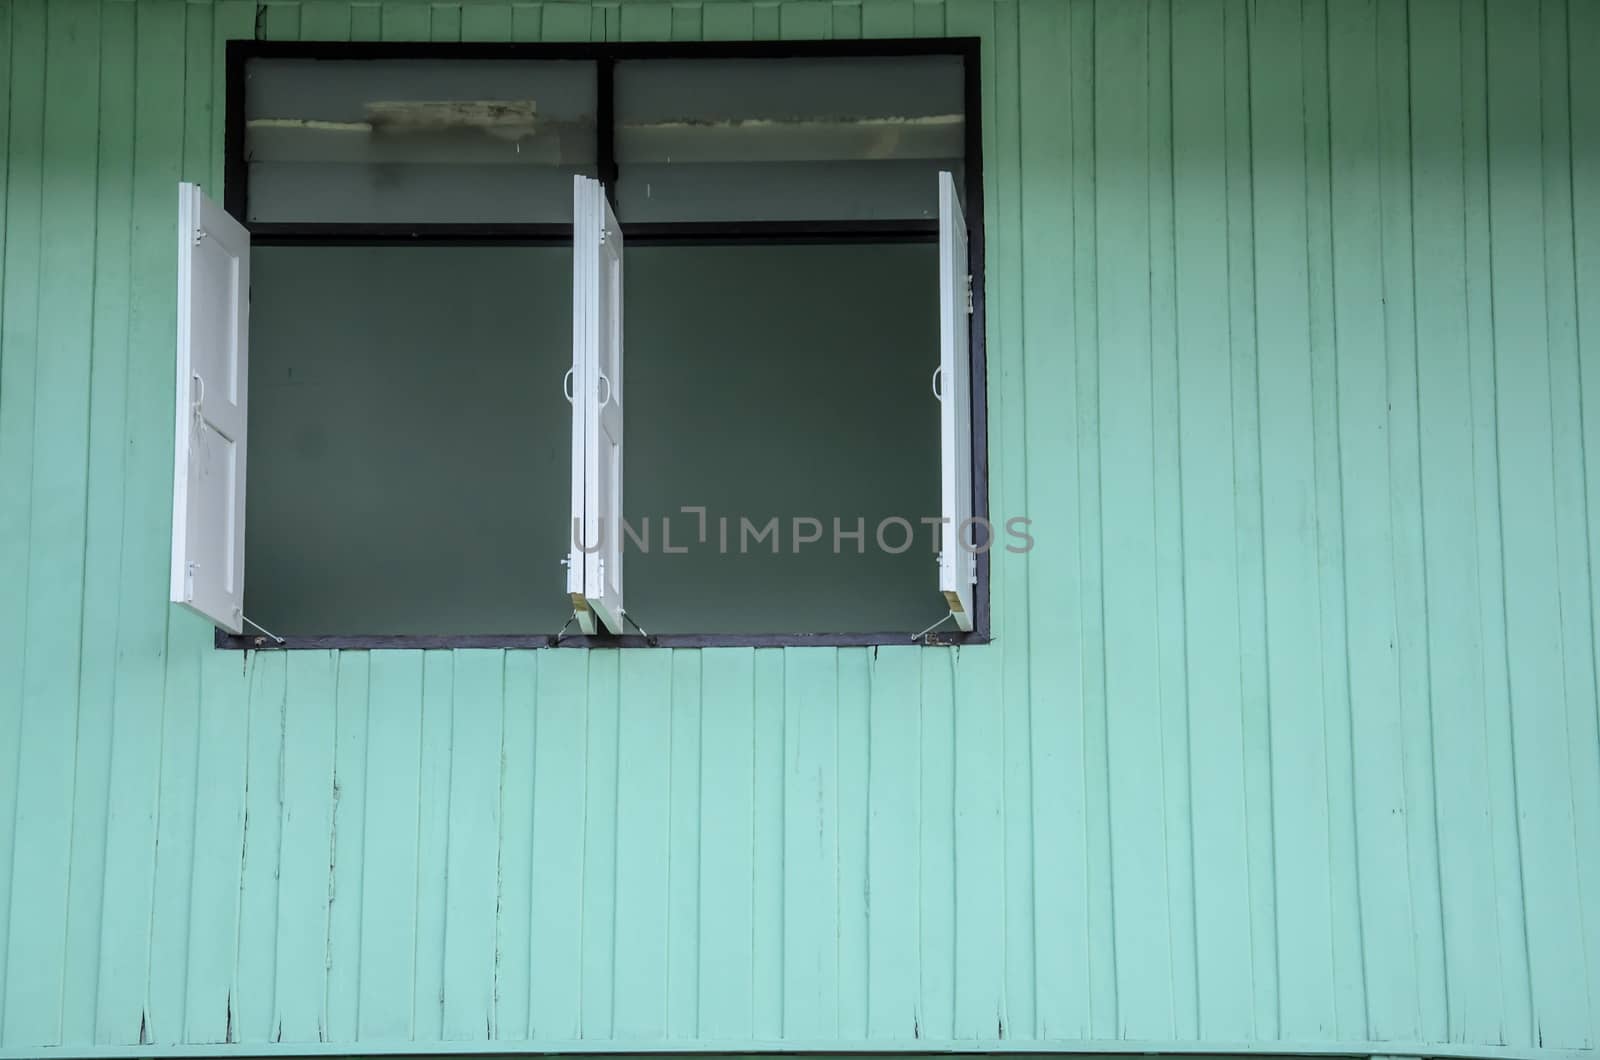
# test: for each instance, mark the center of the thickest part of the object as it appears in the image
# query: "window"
(418, 297)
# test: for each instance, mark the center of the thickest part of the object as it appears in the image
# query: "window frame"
(605, 55)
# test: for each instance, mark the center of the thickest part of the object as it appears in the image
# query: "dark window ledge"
(233, 642)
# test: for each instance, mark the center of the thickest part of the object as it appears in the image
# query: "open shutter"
(212, 377)
(957, 561)
(594, 570)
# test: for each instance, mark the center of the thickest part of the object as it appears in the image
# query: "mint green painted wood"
(1288, 739)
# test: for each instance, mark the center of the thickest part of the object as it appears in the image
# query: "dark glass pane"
(417, 140)
(786, 139)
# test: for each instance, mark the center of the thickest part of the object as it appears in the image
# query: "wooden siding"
(1288, 739)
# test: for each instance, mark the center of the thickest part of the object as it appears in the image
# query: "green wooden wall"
(1288, 737)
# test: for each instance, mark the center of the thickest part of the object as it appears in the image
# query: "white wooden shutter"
(594, 574)
(957, 561)
(212, 381)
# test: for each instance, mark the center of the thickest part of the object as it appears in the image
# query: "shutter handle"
(938, 377)
(603, 402)
(566, 386)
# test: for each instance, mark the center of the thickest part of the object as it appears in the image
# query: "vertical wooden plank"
(560, 795)
(980, 830)
(1573, 558)
(103, 523)
(527, 22)
(187, 636)
(1248, 517)
(325, 20)
(435, 813)
(51, 648)
(1102, 991)
(406, 21)
(768, 893)
(214, 889)
(18, 375)
(1206, 422)
(142, 617)
(1472, 960)
(888, 18)
(894, 930)
(1171, 619)
(936, 851)
(596, 966)
(727, 822)
(1363, 403)
(686, 24)
(1583, 31)
(728, 21)
(279, 22)
(683, 856)
(1143, 955)
(346, 863)
(254, 1005)
(567, 22)
(1514, 980)
(1054, 633)
(646, 21)
(52, 538)
(846, 20)
(444, 22)
(1396, 128)
(389, 848)
(994, 988)
(517, 953)
(1348, 1000)
(366, 21)
(928, 18)
(309, 733)
(644, 803)
(471, 862)
(175, 828)
(486, 22)
(1290, 532)
(805, 19)
(810, 849)
(768, 21)
(855, 675)
(1527, 505)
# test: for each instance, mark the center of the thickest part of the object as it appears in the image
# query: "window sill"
(232, 642)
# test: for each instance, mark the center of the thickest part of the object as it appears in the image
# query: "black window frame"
(605, 56)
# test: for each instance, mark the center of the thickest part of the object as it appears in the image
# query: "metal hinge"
(969, 294)
(604, 232)
(188, 581)
(199, 236)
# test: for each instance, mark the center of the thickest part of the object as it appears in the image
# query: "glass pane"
(786, 139)
(417, 140)
(758, 405)
(409, 442)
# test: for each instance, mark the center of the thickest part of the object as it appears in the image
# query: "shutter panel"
(594, 572)
(957, 562)
(212, 381)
